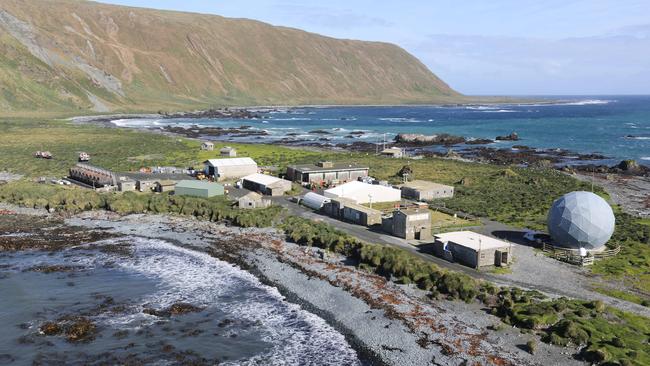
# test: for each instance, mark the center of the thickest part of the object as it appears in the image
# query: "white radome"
(581, 220)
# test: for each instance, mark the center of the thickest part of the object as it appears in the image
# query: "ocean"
(239, 321)
(615, 126)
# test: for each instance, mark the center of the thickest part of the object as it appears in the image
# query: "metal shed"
(423, 190)
(361, 192)
(207, 145)
(315, 201)
(266, 184)
(326, 172)
(230, 169)
(361, 215)
(228, 151)
(163, 186)
(198, 189)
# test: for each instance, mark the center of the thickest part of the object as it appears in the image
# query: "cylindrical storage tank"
(315, 201)
(581, 220)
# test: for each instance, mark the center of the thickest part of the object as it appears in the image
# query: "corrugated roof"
(231, 162)
(355, 186)
(262, 179)
(472, 240)
(197, 184)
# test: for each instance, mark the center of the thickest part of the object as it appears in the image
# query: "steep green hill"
(68, 55)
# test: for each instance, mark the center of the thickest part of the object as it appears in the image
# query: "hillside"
(68, 55)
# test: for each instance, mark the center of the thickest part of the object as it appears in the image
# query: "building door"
(504, 257)
(417, 235)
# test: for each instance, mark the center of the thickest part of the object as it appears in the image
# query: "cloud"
(609, 64)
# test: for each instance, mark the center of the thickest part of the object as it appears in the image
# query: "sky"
(480, 47)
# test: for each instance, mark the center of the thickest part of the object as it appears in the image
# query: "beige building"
(127, 185)
(393, 152)
(228, 152)
(230, 168)
(473, 249)
(409, 224)
(422, 190)
(163, 186)
(266, 184)
(361, 215)
(253, 200)
(207, 145)
(326, 172)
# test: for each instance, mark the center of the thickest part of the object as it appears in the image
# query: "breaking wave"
(297, 336)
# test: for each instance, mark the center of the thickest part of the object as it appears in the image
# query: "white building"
(361, 193)
(472, 249)
(315, 201)
(393, 152)
(266, 184)
(422, 190)
(230, 169)
(207, 145)
(228, 151)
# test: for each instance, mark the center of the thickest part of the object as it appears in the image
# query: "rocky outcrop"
(511, 137)
(411, 139)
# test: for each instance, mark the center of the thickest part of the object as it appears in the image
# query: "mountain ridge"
(70, 55)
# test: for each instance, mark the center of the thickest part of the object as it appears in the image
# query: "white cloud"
(510, 65)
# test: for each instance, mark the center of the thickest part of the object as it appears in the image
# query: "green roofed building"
(198, 188)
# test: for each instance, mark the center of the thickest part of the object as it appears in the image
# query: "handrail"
(573, 255)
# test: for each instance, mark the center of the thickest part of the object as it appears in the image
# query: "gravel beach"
(387, 323)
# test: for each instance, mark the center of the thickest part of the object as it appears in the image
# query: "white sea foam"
(645, 158)
(499, 111)
(401, 119)
(132, 122)
(297, 336)
(292, 119)
(588, 102)
(479, 107)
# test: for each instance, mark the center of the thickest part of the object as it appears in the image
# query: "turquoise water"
(615, 126)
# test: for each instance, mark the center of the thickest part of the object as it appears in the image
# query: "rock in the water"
(628, 165)
(511, 137)
(419, 139)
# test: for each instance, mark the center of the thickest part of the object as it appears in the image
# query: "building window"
(482, 255)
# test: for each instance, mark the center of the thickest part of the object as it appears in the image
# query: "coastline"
(385, 323)
(396, 333)
(618, 184)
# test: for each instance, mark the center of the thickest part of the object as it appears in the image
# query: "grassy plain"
(515, 196)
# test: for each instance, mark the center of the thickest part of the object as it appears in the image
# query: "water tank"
(581, 220)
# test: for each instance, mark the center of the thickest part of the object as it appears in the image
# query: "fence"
(573, 256)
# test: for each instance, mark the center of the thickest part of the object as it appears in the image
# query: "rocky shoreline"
(387, 324)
